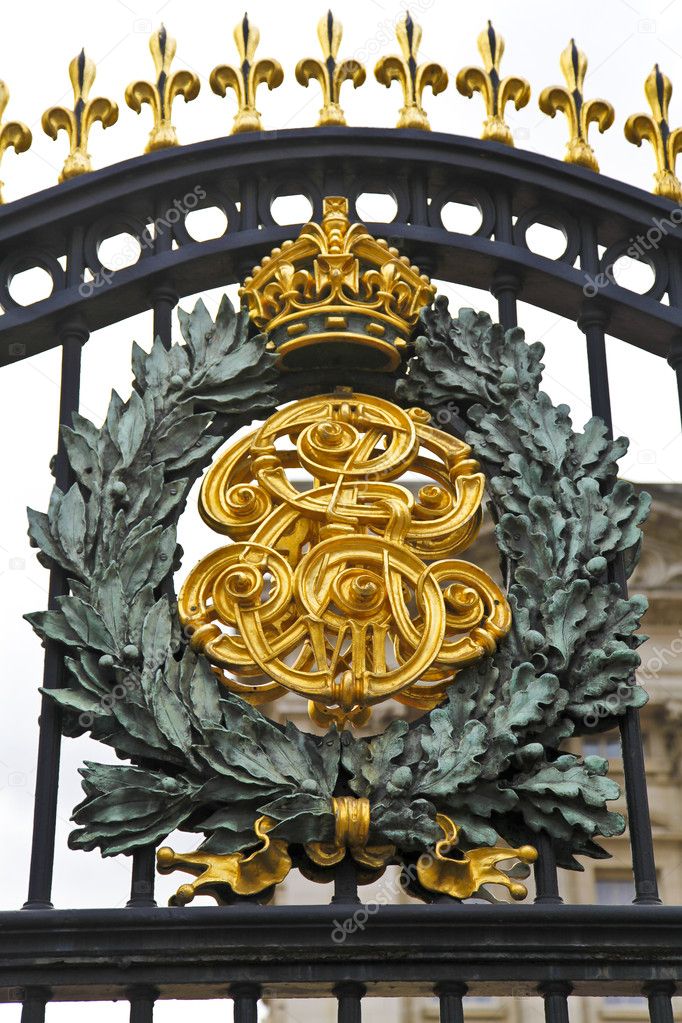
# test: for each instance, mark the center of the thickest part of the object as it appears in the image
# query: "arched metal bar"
(250, 169)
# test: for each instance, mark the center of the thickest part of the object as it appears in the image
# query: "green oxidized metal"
(208, 762)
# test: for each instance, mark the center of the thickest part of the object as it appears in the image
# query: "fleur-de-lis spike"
(496, 91)
(580, 113)
(246, 78)
(12, 133)
(77, 123)
(666, 144)
(161, 93)
(328, 73)
(413, 77)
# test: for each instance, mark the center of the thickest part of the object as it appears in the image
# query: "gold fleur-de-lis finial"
(12, 133)
(413, 77)
(580, 113)
(246, 78)
(496, 91)
(161, 93)
(328, 73)
(77, 123)
(666, 144)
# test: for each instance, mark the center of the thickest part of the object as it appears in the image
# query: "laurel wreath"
(205, 761)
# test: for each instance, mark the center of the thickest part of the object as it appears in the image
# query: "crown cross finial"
(328, 73)
(77, 123)
(161, 93)
(412, 76)
(336, 286)
(12, 133)
(496, 91)
(666, 144)
(246, 78)
(580, 113)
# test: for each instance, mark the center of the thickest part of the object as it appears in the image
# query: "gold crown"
(337, 287)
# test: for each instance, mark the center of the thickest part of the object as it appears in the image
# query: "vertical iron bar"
(142, 877)
(592, 322)
(418, 214)
(245, 997)
(349, 995)
(505, 287)
(555, 994)
(33, 1005)
(675, 363)
(506, 284)
(142, 1000)
(450, 995)
(546, 879)
(346, 883)
(164, 299)
(249, 220)
(659, 994)
(72, 336)
(675, 296)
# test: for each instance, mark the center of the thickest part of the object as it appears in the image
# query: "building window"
(613, 889)
(605, 744)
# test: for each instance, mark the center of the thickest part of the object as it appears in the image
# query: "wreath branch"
(206, 761)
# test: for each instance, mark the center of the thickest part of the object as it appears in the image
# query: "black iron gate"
(142, 953)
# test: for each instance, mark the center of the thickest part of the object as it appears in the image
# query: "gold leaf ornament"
(162, 92)
(78, 123)
(412, 76)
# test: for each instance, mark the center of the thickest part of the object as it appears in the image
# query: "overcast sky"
(622, 39)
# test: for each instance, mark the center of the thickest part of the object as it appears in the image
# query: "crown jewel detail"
(337, 286)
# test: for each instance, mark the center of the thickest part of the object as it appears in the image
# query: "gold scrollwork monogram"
(341, 583)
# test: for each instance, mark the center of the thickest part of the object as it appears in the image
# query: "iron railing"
(143, 952)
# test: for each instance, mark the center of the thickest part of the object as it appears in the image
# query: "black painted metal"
(593, 321)
(545, 871)
(142, 953)
(244, 173)
(555, 994)
(450, 997)
(349, 995)
(245, 997)
(660, 995)
(142, 999)
(400, 949)
(33, 1006)
(73, 336)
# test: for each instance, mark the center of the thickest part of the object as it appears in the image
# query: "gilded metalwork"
(337, 286)
(496, 91)
(463, 874)
(77, 123)
(161, 93)
(14, 134)
(328, 72)
(246, 77)
(223, 876)
(580, 113)
(347, 593)
(655, 129)
(351, 835)
(412, 76)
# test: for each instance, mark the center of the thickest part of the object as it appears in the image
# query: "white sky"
(622, 40)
